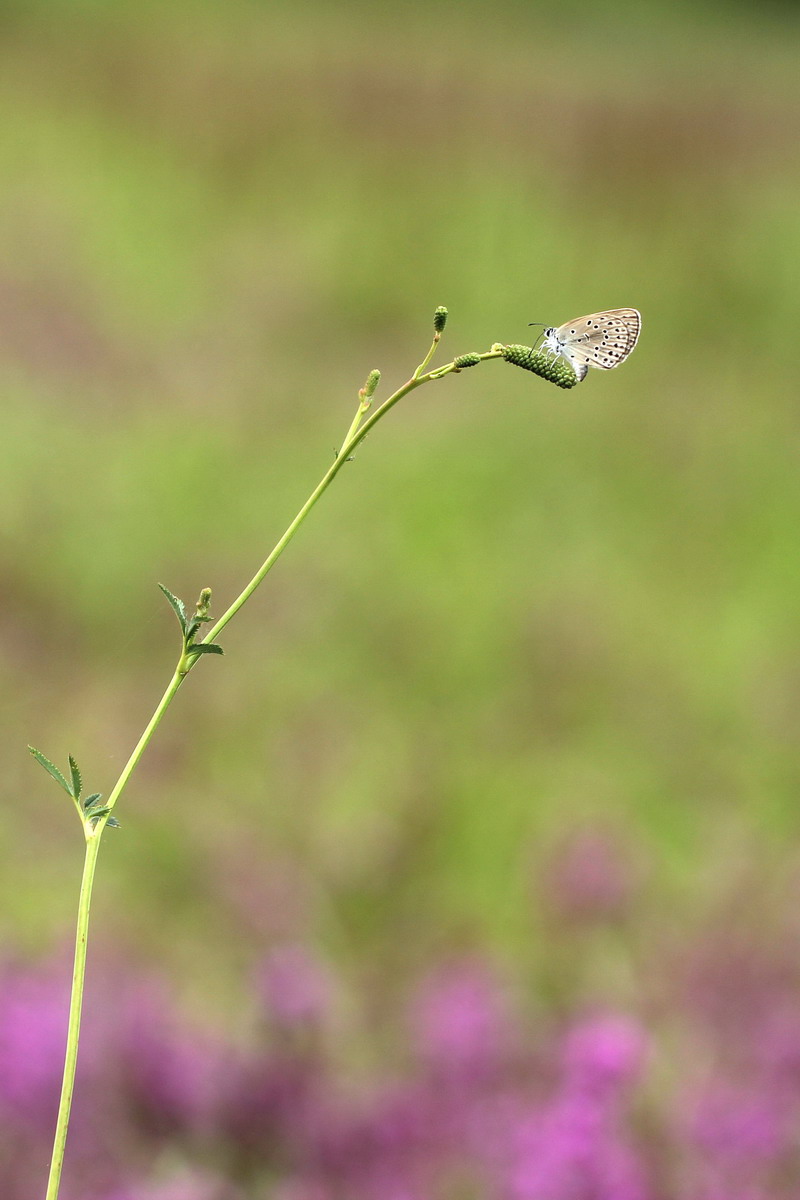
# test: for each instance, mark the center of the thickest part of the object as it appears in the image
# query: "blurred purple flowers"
(163, 1114)
(480, 1102)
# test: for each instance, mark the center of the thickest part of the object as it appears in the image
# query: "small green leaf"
(206, 648)
(178, 606)
(92, 801)
(98, 815)
(77, 782)
(193, 628)
(51, 769)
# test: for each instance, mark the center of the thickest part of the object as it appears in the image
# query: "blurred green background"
(521, 613)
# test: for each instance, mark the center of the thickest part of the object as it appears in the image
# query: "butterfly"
(603, 339)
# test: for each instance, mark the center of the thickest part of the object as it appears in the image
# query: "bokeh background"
(524, 691)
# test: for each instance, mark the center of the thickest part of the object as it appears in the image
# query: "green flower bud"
(439, 319)
(556, 370)
(467, 360)
(203, 603)
(368, 390)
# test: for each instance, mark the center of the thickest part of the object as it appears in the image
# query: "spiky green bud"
(368, 390)
(466, 360)
(203, 604)
(556, 370)
(439, 319)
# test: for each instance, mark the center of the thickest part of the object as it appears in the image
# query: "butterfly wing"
(603, 339)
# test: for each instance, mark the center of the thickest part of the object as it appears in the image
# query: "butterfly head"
(548, 335)
(551, 339)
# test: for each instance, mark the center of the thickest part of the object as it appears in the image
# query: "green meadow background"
(521, 613)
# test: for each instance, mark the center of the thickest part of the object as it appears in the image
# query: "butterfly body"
(602, 340)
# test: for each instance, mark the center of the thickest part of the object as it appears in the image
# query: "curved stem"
(141, 745)
(428, 356)
(357, 419)
(94, 832)
(349, 445)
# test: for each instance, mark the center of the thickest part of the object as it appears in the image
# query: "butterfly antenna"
(543, 329)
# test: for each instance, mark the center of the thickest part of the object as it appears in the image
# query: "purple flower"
(570, 1152)
(462, 1021)
(776, 1048)
(168, 1074)
(604, 1051)
(269, 1109)
(294, 985)
(735, 1127)
(189, 1186)
(33, 1031)
(572, 1147)
(590, 877)
(380, 1136)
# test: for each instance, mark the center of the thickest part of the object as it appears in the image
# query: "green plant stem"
(362, 408)
(356, 436)
(94, 833)
(141, 745)
(74, 1027)
(428, 356)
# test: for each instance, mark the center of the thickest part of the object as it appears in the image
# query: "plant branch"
(94, 825)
